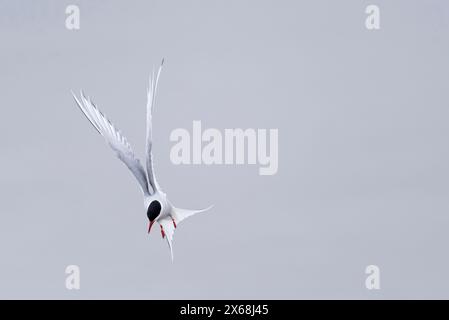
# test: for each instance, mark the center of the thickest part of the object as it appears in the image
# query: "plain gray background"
(363, 154)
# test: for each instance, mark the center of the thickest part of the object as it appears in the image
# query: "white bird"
(156, 204)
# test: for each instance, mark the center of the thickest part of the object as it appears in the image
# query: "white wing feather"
(178, 215)
(114, 138)
(182, 214)
(151, 100)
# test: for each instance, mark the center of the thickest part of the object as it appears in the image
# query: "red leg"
(162, 232)
(174, 222)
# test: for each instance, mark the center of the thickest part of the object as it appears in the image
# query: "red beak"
(149, 227)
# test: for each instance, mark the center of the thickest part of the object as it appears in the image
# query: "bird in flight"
(156, 204)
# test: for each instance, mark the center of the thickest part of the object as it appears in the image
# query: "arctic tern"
(156, 204)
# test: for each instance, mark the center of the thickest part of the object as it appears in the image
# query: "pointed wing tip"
(76, 98)
(208, 208)
(78, 103)
(74, 95)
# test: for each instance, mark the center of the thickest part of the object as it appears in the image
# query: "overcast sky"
(362, 117)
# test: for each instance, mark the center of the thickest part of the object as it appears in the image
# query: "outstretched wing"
(168, 223)
(114, 138)
(181, 214)
(151, 100)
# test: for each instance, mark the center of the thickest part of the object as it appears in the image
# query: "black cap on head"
(154, 209)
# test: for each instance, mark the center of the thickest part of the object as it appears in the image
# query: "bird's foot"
(174, 222)
(162, 232)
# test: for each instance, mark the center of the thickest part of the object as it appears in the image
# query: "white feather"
(114, 138)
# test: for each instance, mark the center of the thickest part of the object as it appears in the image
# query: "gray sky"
(363, 158)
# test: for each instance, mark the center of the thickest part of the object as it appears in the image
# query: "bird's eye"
(154, 209)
